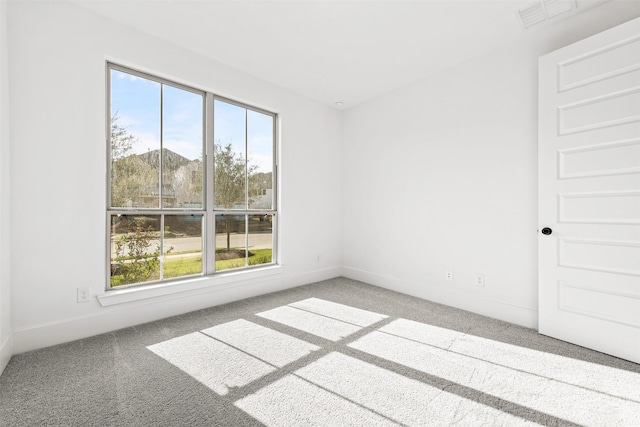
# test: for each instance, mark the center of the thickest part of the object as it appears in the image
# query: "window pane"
(260, 239)
(182, 245)
(231, 249)
(135, 141)
(182, 148)
(229, 138)
(260, 164)
(135, 249)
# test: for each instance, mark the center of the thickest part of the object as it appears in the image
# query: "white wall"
(6, 338)
(58, 172)
(443, 175)
(438, 175)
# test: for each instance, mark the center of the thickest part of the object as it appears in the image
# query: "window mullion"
(246, 240)
(246, 187)
(246, 160)
(209, 173)
(160, 156)
(162, 247)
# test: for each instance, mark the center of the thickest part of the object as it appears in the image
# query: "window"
(184, 201)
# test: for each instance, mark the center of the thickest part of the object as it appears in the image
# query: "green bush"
(134, 261)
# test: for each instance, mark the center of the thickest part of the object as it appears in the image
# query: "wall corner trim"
(6, 351)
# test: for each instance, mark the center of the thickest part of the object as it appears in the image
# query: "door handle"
(546, 231)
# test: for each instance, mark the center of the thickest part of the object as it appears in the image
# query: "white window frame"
(208, 211)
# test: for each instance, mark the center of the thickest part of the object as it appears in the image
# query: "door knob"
(546, 231)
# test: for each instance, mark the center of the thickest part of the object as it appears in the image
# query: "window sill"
(218, 281)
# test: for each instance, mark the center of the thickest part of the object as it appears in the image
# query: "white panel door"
(589, 192)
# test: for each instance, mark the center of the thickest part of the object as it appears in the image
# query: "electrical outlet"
(448, 274)
(480, 280)
(84, 294)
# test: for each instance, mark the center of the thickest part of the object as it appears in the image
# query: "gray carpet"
(334, 353)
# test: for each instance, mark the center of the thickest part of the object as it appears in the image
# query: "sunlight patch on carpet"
(312, 323)
(485, 381)
(344, 313)
(216, 365)
(399, 398)
(527, 390)
(292, 401)
(270, 346)
(322, 318)
(594, 376)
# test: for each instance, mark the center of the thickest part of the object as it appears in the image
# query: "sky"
(137, 103)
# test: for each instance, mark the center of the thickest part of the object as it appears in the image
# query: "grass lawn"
(179, 266)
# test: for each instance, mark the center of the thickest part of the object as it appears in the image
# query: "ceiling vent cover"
(531, 15)
(557, 7)
(539, 12)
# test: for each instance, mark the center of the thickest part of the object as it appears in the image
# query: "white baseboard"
(108, 319)
(500, 310)
(6, 351)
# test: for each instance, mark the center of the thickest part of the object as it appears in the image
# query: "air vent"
(532, 15)
(539, 12)
(556, 7)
